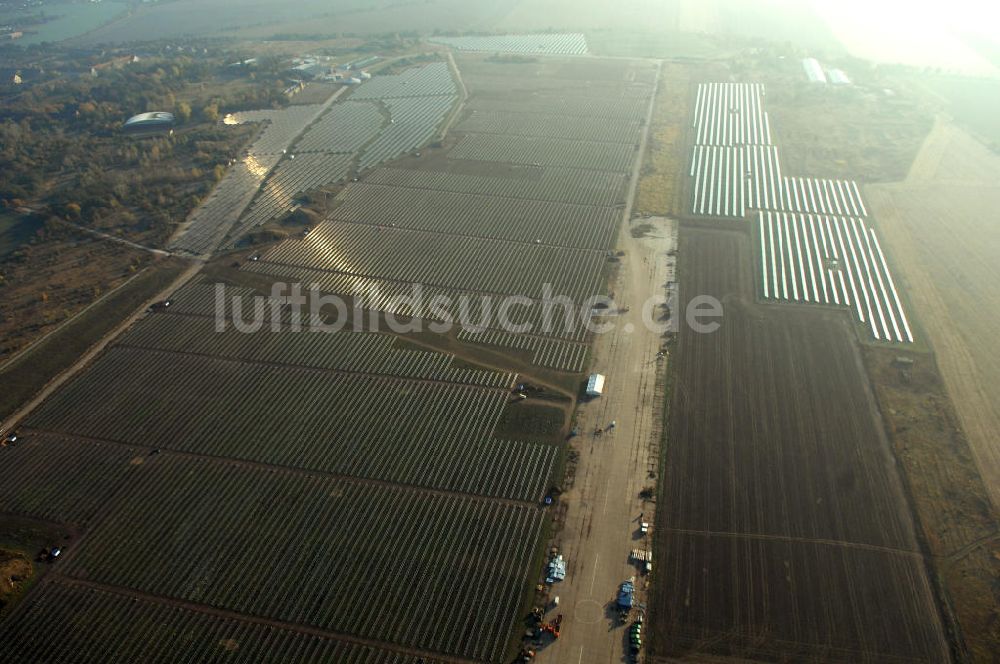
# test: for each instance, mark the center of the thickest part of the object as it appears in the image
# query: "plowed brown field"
(784, 532)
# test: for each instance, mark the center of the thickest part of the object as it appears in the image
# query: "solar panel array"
(735, 166)
(837, 260)
(823, 196)
(346, 128)
(814, 243)
(431, 79)
(728, 180)
(414, 122)
(295, 175)
(211, 221)
(280, 127)
(731, 114)
(512, 210)
(539, 44)
(384, 118)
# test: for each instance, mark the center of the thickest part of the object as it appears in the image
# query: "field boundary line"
(463, 96)
(965, 550)
(364, 275)
(393, 185)
(57, 577)
(333, 217)
(487, 328)
(793, 539)
(555, 115)
(297, 470)
(304, 367)
(432, 348)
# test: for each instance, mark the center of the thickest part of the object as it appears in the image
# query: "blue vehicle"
(626, 595)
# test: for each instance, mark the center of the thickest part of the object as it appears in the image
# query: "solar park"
(814, 241)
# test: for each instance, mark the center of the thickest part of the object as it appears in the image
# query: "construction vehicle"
(49, 554)
(551, 627)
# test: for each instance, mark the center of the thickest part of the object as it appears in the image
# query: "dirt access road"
(603, 506)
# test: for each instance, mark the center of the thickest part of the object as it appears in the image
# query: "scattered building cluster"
(322, 68)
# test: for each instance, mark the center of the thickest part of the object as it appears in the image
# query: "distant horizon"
(958, 37)
(913, 33)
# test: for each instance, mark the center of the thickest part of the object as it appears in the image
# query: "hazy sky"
(919, 32)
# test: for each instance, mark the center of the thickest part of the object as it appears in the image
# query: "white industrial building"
(813, 70)
(837, 77)
(152, 120)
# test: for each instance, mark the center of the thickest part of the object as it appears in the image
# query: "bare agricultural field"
(784, 527)
(941, 224)
(972, 101)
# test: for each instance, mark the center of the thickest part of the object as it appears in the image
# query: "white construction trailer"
(595, 385)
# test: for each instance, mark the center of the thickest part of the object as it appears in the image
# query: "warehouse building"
(153, 121)
(813, 70)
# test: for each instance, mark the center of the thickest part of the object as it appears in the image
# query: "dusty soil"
(15, 573)
(600, 524)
